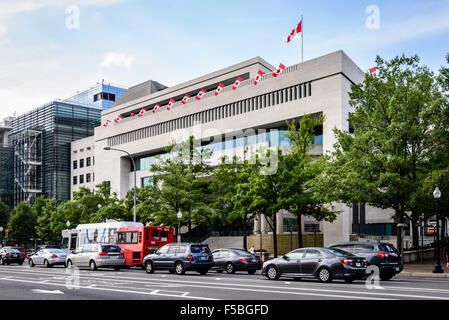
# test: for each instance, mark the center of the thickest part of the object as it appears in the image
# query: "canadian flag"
(107, 122)
(142, 111)
(279, 70)
(429, 129)
(295, 31)
(237, 83)
(258, 77)
(200, 94)
(155, 108)
(373, 71)
(133, 114)
(116, 120)
(219, 89)
(184, 100)
(170, 104)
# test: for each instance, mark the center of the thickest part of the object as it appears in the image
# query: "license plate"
(397, 269)
(203, 258)
(358, 264)
(254, 260)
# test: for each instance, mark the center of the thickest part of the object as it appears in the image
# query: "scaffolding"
(28, 173)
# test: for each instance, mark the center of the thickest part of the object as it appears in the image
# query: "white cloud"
(117, 59)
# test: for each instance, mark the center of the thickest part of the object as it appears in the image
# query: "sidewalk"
(423, 270)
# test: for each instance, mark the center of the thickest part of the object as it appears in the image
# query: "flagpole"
(302, 40)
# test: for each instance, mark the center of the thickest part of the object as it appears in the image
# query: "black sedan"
(9, 255)
(232, 260)
(322, 263)
(383, 255)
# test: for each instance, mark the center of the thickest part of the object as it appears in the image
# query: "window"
(75, 180)
(88, 178)
(163, 250)
(297, 254)
(312, 254)
(81, 179)
(88, 162)
(75, 164)
(81, 163)
(173, 249)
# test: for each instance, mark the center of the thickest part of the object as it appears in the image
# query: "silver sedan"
(48, 258)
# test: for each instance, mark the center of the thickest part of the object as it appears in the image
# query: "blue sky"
(130, 41)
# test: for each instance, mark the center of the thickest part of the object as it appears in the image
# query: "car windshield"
(242, 253)
(12, 251)
(340, 252)
(200, 249)
(111, 248)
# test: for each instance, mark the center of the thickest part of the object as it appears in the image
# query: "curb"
(423, 275)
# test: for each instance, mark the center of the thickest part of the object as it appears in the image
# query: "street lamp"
(1, 236)
(68, 224)
(108, 148)
(179, 226)
(437, 268)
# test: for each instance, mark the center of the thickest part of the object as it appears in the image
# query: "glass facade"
(102, 96)
(41, 141)
(275, 138)
(7, 174)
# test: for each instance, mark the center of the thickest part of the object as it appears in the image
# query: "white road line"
(47, 291)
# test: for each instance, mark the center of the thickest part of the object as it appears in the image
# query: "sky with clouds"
(46, 54)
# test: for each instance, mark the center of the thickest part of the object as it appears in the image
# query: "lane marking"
(47, 291)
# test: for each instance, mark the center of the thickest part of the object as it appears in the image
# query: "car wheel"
(92, 265)
(31, 263)
(272, 273)
(20, 263)
(324, 275)
(69, 264)
(386, 277)
(252, 271)
(149, 267)
(230, 268)
(179, 268)
(203, 272)
(46, 264)
(2, 261)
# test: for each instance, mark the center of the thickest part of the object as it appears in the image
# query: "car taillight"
(190, 257)
(211, 258)
(346, 261)
(365, 262)
(7, 254)
(53, 256)
(382, 255)
(122, 253)
(244, 259)
(103, 254)
(259, 260)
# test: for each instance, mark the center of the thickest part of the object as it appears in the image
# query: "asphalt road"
(38, 283)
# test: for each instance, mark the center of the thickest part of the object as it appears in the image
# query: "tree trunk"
(299, 224)
(275, 243)
(190, 230)
(399, 219)
(415, 231)
(245, 245)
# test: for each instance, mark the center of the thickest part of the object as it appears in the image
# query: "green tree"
(300, 168)
(68, 211)
(44, 209)
(22, 224)
(4, 214)
(148, 203)
(182, 178)
(385, 161)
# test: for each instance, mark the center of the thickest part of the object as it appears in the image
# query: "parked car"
(10, 255)
(97, 256)
(322, 263)
(383, 255)
(232, 260)
(48, 258)
(179, 258)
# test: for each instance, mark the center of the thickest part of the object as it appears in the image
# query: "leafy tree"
(300, 168)
(68, 211)
(147, 204)
(22, 224)
(384, 163)
(44, 209)
(4, 214)
(183, 185)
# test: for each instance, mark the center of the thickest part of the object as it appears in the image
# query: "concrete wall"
(285, 243)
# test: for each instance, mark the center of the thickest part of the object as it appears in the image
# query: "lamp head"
(437, 193)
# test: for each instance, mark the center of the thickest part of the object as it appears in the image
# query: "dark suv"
(383, 255)
(179, 258)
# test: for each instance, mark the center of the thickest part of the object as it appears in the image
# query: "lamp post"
(179, 226)
(437, 268)
(1, 236)
(108, 148)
